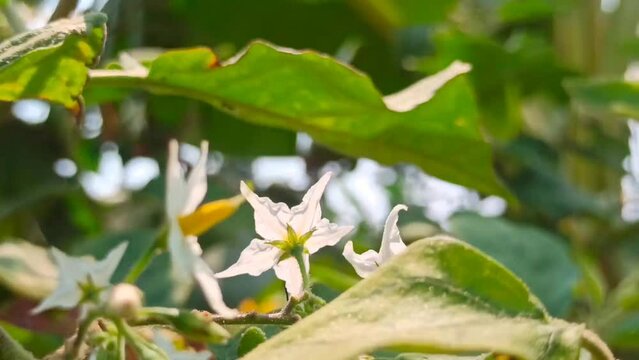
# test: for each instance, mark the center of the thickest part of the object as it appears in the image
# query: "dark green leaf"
(541, 259)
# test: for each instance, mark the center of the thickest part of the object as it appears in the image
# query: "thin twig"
(251, 318)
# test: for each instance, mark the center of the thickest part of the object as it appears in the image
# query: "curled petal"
(289, 271)
(211, 289)
(196, 183)
(392, 243)
(270, 218)
(308, 212)
(175, 184)
(105, 268)
(182, 255)
(364, 264)
(254, 260)
(326, 234)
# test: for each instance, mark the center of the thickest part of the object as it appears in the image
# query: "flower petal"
(254, 260)
(196, 183)
(309, 212)
(289, 271)
(103, 271)
(175, 184)
(211, 289)
(392, 243)
(182, 256)
(270, 218)
(66, 296)
(326, 234)
(364, 264)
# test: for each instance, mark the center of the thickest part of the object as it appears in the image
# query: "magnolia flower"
(283, 231)
(186, 221)
(81, 279)
(392, 244)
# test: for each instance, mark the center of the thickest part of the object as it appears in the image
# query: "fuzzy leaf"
(440, 295)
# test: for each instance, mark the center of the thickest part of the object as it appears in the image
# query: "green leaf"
(606, 96)
(546, 267)
(11, 350)
(440, 295)
(338, 106)
(27, 270)
(51, 63)
(38, 343)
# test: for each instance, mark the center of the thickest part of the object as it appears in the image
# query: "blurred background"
(574, 170)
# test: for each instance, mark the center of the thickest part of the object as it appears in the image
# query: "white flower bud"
(124, 300)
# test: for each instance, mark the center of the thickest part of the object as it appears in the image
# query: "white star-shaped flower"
(282, 230)
(81, 279)
(392, 244)
(186, 220)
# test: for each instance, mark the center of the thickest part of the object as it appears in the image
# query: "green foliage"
(439, 296)
(338, 106)
(540, 259)
(51, 63)
(607, 96)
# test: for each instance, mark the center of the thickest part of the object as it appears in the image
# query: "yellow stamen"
(209, 215)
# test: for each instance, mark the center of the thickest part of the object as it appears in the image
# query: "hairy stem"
(298, 254)
(595, 346)
(83, 330)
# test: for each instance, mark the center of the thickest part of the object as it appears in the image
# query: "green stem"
(121, 347)
(159, 245)
(298, 254)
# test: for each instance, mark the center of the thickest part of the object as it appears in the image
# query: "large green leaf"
(441, 295)
(51, 63)
(546, 267)
(337, 105)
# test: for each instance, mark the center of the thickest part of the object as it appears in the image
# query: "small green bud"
(251, 338)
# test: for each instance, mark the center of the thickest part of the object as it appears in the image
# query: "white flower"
(81, 279)
(114, 181)
(186, 220)
(282, 230)
(392, 244)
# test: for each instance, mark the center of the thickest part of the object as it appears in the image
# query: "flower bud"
(125, 300)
